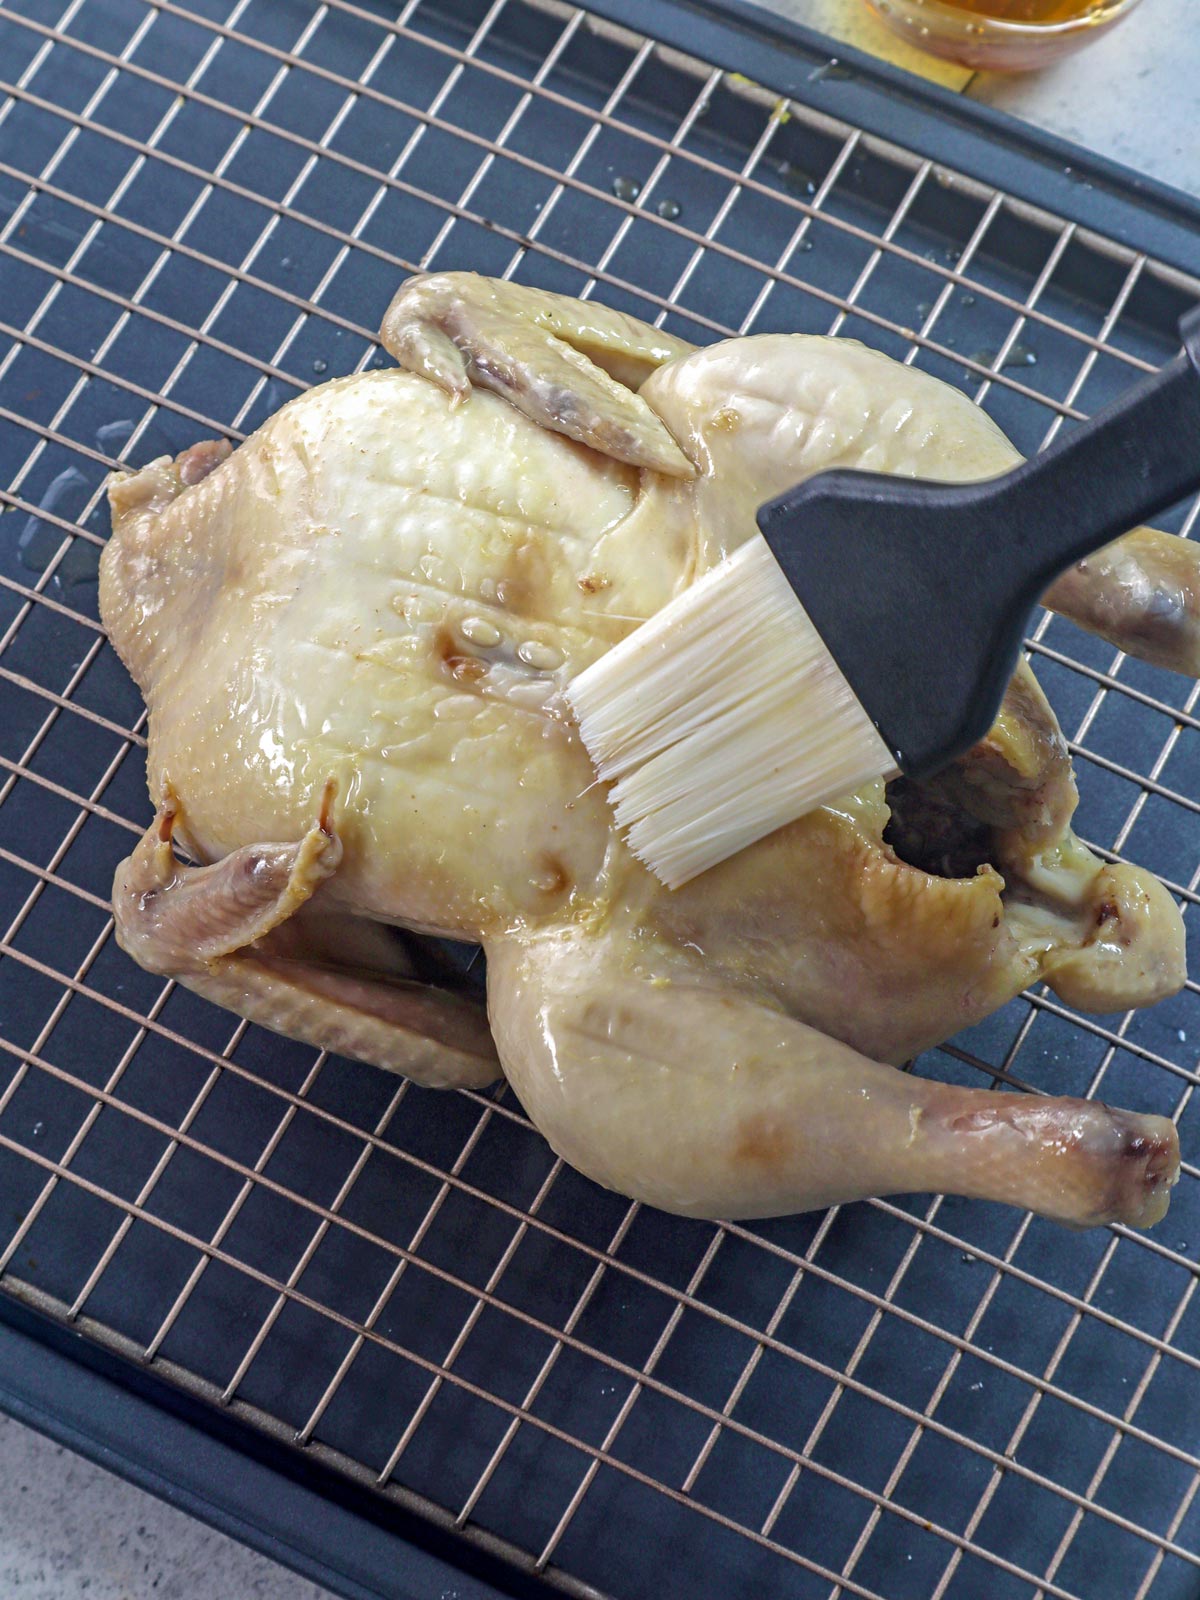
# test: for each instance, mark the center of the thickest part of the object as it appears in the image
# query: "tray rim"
(209, 1461)
(992, 146)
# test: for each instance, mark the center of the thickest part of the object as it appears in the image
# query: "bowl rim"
(980, 25)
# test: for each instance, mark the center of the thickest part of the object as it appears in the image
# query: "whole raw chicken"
(353, 635)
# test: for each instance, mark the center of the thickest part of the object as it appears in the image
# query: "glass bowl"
(995, 43)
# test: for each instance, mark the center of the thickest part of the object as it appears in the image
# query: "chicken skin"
(353, 634)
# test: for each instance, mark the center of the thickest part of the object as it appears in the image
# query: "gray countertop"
(1132, 95)
(71, 1531)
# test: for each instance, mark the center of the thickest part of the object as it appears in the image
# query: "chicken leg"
(779, 1117)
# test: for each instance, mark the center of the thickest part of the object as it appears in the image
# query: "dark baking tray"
(898, 1299)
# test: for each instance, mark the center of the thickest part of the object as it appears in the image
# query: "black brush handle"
(1130, 461)
(922, 591)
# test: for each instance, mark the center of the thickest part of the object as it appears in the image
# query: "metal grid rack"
(205, 205)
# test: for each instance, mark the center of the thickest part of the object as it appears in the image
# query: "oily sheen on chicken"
(353, 633)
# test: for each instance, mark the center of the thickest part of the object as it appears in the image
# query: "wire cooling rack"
(205, 206)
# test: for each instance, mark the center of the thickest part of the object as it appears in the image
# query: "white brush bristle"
(723, 718)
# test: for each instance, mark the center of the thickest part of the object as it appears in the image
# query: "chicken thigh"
(353, 635)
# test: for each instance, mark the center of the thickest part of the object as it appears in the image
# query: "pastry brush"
(868, 631)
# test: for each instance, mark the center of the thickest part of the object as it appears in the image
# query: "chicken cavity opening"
(931, 832)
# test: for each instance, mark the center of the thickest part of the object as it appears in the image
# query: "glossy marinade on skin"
(353, 635)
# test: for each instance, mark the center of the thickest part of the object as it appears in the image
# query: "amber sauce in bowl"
(1004, 35)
